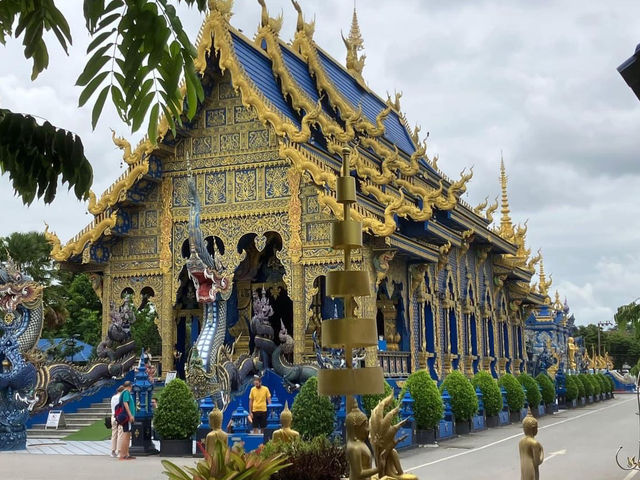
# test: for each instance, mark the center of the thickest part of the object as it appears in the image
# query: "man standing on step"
(259, 398)
(116, 430)
(130, 407)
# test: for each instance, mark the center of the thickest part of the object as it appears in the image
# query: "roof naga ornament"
(354, 44)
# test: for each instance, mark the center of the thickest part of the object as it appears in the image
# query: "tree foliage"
(428, 407)
(571, 387)
(464, 401)
(534, 397)
(318, 459)
(313, 414)
(588, 386)
(515, 395)
(628, 317)
(36, 156)
(138, 54)
(145, 331)
(548, 388)
(177, 416)
(491, 394)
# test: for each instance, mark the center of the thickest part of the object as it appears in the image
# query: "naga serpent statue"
(27, 383)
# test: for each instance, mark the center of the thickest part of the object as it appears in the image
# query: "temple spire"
(355, 37)
(506, 227)
(354, 44)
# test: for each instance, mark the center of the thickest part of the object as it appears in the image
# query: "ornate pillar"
(167, 322)
(297, 270)
(368, 304)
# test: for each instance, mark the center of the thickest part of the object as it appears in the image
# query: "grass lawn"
(94, 432)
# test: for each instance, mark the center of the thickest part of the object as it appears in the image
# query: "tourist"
(259, 398)
(116, 430)
(130, 407)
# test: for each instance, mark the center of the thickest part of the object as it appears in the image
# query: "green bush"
(588, 386)
(515, 395)
(464, 401)
(604, 383)
(571, 387)
(595, 383)
(177, 416)
(612, 384)
(369, 402)
(319, 459)
(533, 392)
(313, 414)
(548, 388)
(581, 390)
(427, 407)
(491, 395)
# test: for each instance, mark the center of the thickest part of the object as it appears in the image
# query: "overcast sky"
(536, 80)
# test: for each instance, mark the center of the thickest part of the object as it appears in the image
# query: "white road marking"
(511, 437)
(555, 454)
(631, 474)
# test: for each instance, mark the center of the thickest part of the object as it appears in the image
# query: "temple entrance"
(259, 304)
(188, 313)
(386, 316)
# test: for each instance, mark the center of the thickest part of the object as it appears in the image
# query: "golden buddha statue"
(285, 434)
(571, 353)
(383, 441)
(531, 451)
(216, 434)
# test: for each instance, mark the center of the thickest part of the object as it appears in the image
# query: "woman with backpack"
(126, 416)
(116, 430)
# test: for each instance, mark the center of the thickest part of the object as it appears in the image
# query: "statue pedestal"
(141, 444)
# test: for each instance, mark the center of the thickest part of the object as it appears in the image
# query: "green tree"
(313, 414)
(491, 394)
(464, 401)
(534, 397)
(145, 331)
(628, 317)
(428, 407)
(138, 54)
(515, 395)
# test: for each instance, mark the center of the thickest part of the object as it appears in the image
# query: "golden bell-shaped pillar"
(349, 332)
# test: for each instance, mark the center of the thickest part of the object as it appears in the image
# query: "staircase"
(74, 421)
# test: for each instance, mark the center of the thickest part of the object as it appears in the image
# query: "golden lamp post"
(349, 332)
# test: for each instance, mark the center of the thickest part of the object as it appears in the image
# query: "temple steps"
(73, 421)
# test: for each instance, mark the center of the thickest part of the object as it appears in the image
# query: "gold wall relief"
(295, 215)
(166, 223)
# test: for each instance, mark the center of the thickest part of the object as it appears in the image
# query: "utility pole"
(600, 325)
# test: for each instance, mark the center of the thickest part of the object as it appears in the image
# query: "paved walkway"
(579, 444)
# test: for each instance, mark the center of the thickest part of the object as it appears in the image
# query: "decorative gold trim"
(118, 190)
(166, 224)
(76, 246)
(295, 215)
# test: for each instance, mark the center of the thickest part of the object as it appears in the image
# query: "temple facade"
(452, 289)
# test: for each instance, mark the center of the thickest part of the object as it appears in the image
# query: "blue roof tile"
(371, 105)
(258, 68)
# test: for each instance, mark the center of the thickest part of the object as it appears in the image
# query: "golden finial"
(354, 44)
(544, 283)
(506, 227)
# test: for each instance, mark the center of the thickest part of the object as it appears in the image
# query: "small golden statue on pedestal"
(285, 434)
(383, 440)
(531, 451)
(216, 434)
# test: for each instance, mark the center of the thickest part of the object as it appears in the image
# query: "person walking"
(116, 430)
(259, 398)
(130, 407)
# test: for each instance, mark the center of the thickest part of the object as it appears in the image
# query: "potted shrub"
(319, 459)
(588, 387)
(176, 419)
(604, 385)
(313, 414)
(464, 402)
(612, 385)
(491, 396)
(548, 391)
(597, 388)
(227, 463)
(428, 408)
(572, 391)
(582, 393)
(533, 392)
(515, 395)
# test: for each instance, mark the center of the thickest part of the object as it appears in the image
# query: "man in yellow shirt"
(259, 398)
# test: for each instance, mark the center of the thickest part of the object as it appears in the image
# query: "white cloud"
(535, 79)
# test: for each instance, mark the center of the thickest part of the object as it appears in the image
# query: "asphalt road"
(578, 444)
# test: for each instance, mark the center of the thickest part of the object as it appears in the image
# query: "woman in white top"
(116, 430)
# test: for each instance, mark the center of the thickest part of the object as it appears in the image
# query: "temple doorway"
(259, 291)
